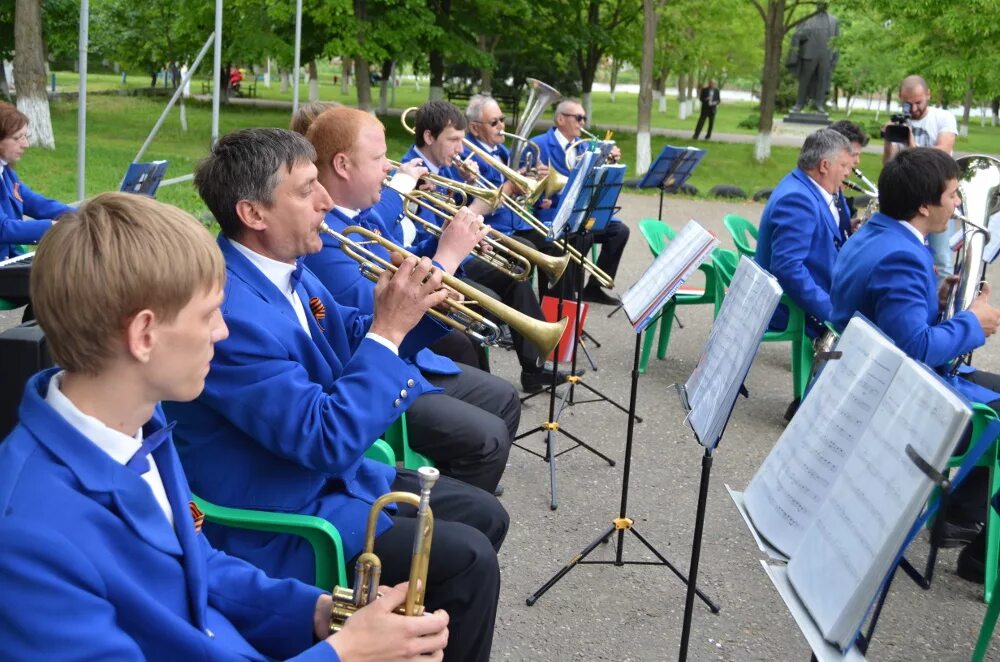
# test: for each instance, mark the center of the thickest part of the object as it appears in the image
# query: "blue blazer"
(797, 242)
(82, 535)
(16, 201)
(503, 219)
(340, 275)
(286, 416)
(885, 273)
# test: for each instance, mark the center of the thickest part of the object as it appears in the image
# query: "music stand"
(657, 292)
(574, 206)
(671, 170)
(144, 178)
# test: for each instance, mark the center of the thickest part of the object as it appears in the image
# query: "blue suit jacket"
(82, 535)
(503, 219)
(286, 416)
(340, 275)
(16, 201)
(798, 242)
(885, 273)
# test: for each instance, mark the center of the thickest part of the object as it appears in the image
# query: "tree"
(643, 154)
(29, 72)
(779, 17)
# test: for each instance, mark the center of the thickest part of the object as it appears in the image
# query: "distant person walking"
(709, 97)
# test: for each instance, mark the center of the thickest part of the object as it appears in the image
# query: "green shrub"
(751, 122)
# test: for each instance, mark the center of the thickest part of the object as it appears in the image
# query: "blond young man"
(95, 513)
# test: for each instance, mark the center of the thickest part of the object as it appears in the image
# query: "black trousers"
(612, 240)
(519, 295)
(460, 348)
(968, 503)
(468, 429)
(463, 576)
(707, 112)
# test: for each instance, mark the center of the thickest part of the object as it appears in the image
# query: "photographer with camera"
(920, 125)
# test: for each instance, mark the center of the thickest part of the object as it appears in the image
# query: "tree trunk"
(643, 151)
(29, 72)
(616, 66)
(182, 114)
(995, 106)
(4, 87)
(345, 77)
(774, 34)
(436, 61)
(485, 73)
(283, 74)
(383, 87)
(313, 81)
(682, 96)
(963, 129)
(363, 82)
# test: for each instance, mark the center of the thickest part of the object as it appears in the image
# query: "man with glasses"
(555, 152)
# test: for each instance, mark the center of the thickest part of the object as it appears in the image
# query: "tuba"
(368, 569)
(979, 188)
(540, 97)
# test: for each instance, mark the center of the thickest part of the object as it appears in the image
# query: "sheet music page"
(668, 271)
(795, 478)
(852, 542)
(568, 198)
(735, 336)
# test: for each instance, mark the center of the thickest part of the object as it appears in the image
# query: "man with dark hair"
(303, 387)
(709, 97)
(803, 226)
(886, 273)
(859, 139)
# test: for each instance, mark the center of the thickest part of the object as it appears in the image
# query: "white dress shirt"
(563, 141)
(121, 447)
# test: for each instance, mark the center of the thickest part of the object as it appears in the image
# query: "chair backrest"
(657, 234)
(743, 232)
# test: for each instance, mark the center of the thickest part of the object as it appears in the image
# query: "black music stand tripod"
(623, 523)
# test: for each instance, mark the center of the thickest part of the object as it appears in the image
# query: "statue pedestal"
(815, 118)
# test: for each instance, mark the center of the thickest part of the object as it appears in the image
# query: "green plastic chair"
(657, 235)
(743, 232)
(989, 624)
(323, 537)
(399, 440)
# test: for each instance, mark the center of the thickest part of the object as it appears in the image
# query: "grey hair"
(561, 108)
(474, 111)
(245, 165)
(822, 145)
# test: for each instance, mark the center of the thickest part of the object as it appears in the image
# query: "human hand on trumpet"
(988, 316)
(403, 295)
(414, 168)
(460, 234)
(469, 168)
(376, 632)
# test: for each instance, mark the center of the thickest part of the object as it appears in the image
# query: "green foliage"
(751, 122)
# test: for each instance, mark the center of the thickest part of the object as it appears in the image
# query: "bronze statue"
(811, 59)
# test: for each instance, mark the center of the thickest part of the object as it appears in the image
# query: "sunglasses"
(579, 118)
(494, 122)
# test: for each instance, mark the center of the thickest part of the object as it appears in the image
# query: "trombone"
(507, 255)
(544, 335)
(368, 569)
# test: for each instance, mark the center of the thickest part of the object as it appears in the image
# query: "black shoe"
(563, 367)
(498, 491)
(533, 382)
(505, 341)
(972, 560)
(957, 534)
(598, 295)
(792, 408)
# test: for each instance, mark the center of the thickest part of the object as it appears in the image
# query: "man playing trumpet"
(303, 386)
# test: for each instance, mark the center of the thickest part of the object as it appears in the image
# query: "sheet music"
(568, 198)
(795, 478)
(732, 343)
(852, 542)
(668, 271)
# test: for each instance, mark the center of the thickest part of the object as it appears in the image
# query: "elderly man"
(303, 386)
(554, 151)
(801, 228)
(466, 429)
(928, 127)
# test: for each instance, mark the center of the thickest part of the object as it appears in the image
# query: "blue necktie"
(139, 462)
(297, 274)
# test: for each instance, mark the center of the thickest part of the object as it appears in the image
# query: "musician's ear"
(340, 163)
(249, 214)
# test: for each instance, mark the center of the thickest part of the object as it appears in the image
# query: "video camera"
(899, 130)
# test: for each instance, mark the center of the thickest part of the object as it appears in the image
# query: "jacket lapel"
(832, 223)
(243, 269)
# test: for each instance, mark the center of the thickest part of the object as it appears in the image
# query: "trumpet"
(866, 187)
(591, 138)
(538, 226)
(508, 254)
(368, 569)
(544, 335)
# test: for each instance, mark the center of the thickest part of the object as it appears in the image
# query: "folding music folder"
(672, 168)
(144, 178)
(569, 202)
